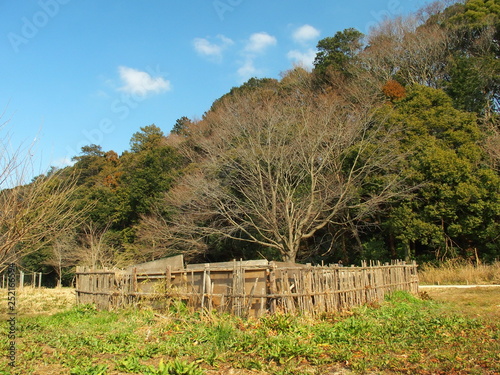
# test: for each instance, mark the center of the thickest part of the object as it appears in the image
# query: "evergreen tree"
(456, 206)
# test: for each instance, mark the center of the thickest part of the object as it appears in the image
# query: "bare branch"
(275, 168)
(35, 213)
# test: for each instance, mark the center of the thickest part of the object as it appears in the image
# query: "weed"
(278, 322)
(119, 337)
(252, 364)
(212, 358)
(149, 351)
(87, 309)
(33, 353)
(130, 364)
(90, 370)
(175, 368)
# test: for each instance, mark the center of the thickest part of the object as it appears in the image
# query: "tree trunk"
(289, 255)
(392, 246)
(355, 233)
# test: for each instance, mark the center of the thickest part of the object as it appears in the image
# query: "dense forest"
(389, 148)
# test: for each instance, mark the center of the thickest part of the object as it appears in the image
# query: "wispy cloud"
(305, 34)
(254, 47)
(259, 42)
(212, 50)
(305, 59)
(62, 162)
(141, 83)
(248, 70)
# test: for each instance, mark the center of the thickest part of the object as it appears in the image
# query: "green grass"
(402, 335)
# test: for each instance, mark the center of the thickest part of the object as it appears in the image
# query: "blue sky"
(76, 72)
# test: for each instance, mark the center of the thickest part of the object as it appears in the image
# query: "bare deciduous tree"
(274, 168)
(405, 47)
(32, 214)
(63, 254)
(160, 237)
(93, 250)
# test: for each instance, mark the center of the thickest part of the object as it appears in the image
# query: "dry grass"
(33, 301)
(460, 272)
(477, 302)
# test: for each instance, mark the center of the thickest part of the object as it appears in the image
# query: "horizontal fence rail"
(247, 289)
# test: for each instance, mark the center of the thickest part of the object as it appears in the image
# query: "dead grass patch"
(36, 301)
(459, 272)
(483, 303)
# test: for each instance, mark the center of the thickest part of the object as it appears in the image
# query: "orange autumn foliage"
(394, 90)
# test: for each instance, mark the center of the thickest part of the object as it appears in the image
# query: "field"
(447, 331)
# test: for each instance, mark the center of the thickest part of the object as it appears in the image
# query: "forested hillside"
(388, 148)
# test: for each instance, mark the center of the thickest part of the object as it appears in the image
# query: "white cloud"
(212, 50)
(305, 59)
(63, 162)
(305, 34)
(248, 70)
(141, 83)
(258, 42)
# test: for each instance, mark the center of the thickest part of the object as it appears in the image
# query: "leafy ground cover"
(404, 334)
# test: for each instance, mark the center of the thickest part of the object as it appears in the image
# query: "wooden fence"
(249, 288)
(31, 279)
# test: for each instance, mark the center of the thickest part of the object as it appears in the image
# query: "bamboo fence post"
(203, 285)
(168, 278)
(262, 302)
(77, 284)
(308, 291)
(287, 291)
(232, 304)
(272, 287)
(108, 289)
(135, 287)
(193, 290)
(251, 297)
(328, 278)
(241, 286)
(209, 289)
(233, 289)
